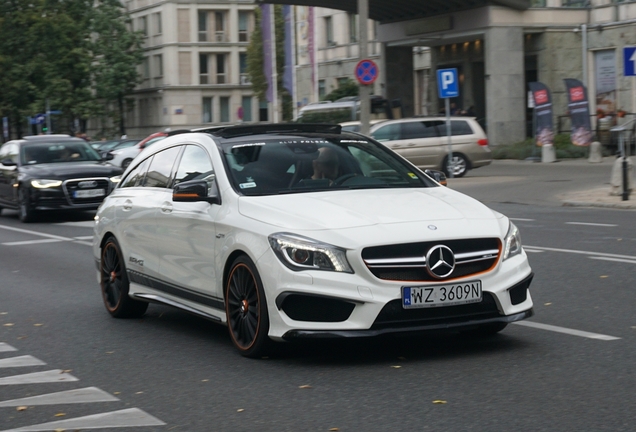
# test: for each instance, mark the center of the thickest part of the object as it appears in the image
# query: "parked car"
(48, 172)
(424, 142)
(354, 126)
(105, 146)
(292, 231)
(122, 156)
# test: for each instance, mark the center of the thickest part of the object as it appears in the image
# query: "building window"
(353, 27)
(207, 110)
(203, 26)
(322, 88)
(220, 69)
(225, 109)
(245, 79)
(219, 26)
(203, 69)
(143, 25)
(158, 26)
(243, 26)
(145, 64)
(342, 81)
(158, 65)
(329, 31)
(246, 103)
(262, 110)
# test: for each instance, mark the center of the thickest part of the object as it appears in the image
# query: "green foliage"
(348, 88)
(563, 147)
(50, 52)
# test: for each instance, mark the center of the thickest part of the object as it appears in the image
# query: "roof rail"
(235, 131)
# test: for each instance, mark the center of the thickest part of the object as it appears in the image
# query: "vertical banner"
(605, 68)
(267, 31)
(544, 128)
(311, 46)
(579, 109)
(288, 78)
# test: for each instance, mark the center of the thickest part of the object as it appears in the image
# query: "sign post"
(448, 87)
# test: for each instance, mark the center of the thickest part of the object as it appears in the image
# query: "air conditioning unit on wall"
(245, 80)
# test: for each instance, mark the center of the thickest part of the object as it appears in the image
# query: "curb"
(622, 206)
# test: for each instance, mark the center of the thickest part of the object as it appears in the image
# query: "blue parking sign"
(447, 83)
(629, 61)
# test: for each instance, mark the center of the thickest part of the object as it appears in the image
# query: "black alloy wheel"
(114, 284)
(26, 212)
(246, 309)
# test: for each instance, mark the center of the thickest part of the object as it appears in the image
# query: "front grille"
(71, 186)
(407, 262)
(393, 315)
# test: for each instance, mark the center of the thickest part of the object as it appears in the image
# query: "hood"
(358, 208)
(63, 171)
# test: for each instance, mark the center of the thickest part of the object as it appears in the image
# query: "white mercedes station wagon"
(290, 231)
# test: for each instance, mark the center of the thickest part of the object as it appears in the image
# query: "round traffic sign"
(366, 71)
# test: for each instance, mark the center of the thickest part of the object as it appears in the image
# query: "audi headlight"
(45, 184)
(302, 253)
(512, 242)
(116, 179)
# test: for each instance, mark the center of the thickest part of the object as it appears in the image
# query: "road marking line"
(90, 237)
(5, 347)
(566, 330)
(591, 224)
(532, 251)
(633, 261)
(629, 257)
(20, 361)
(29, 242)
(84, 395)
(55, 375)
(82, 224)
(522, 219)
(130, 417)
(34, 233)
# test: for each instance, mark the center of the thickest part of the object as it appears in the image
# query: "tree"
(347, 88)
(118, 53)
(255, 62)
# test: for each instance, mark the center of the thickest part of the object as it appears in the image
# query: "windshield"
(310, 164)
(57, 152)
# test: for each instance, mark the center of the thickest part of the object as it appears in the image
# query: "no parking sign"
(367, 72)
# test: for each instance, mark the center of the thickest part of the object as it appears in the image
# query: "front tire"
(115, 285)
(246, 309)
(126, 163)
(26, 212)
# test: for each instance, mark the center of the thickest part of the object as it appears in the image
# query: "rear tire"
(115, 285)
(460, 165)
(26, 212)
(246, 309)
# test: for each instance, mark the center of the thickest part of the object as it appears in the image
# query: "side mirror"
(438, 176)
(107, 156)
(195, 191)
(8, 162)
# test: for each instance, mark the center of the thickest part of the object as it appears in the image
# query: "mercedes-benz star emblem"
(440, 261)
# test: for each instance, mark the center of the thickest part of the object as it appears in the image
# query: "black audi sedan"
(53, 172)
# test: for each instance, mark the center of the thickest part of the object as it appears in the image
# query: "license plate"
(89, 193)
(441, 295)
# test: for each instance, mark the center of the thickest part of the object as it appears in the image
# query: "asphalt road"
(570, 370)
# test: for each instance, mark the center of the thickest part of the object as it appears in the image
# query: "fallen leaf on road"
(240, 410)
(116, 392)
(8, 325)
(59, 430)
(38, 325)
(205, 380)
(439, 401)
(139, 392)
(22, 337)
(110, 352)
(67, 371)
(547, 304)
(396, 367)
(60, 414)
(305, 386)
(21, 408)
(3, 313)
(334, 429)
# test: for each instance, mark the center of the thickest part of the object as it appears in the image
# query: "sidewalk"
(598, 197)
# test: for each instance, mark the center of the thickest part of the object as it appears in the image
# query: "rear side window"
(418, 129)
(387, 133)
(160, 171)
(458, 127)
(136, 176)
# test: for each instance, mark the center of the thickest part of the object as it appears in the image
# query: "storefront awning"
(386, 11)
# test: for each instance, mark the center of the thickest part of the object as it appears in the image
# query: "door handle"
(127, 205)
(166, 207)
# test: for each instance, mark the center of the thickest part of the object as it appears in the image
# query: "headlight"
(116, 179)
(302, 253)
(115, 152)
(512, 242)
(45, 184)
